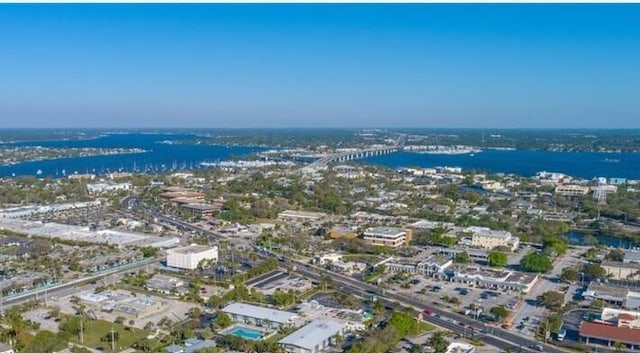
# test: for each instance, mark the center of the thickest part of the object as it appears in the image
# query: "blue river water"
(163, 156)
(159, 156)
(585, 165)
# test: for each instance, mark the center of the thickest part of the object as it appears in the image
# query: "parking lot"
(437, 291)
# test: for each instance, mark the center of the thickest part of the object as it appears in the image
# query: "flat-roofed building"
(202, 210)
(621, 318)
(315, 337)
(260, 316)
(572, 190)
(170, 195)
(631, 256)
(290, 215)
(427, 265)
(488, 238)
(101, 188)
(387, 236)
(485, 277)
(189, 257)
(460, 347)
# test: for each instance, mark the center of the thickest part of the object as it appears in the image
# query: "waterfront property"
(314, 337)
(260, 316)
(189, 257)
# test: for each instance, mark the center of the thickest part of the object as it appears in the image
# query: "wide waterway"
(585, 165)
(162, 156)
(159, 156)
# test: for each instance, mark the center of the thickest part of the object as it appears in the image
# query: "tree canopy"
(535, 262)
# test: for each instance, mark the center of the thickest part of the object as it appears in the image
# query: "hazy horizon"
(393, 66)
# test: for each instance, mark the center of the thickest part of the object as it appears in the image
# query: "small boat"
(610, 160)
(39, 172)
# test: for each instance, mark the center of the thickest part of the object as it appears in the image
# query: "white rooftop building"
(100, 188)
(487, 238)
(189, 257)
(315, 337)
(459, 347)
(260, 315)
(386, 236)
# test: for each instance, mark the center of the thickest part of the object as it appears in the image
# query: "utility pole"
(113, 340)
(82, 331)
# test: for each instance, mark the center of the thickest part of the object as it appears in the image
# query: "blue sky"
(421, 65)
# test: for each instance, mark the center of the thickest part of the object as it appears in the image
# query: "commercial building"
(487, 238)
(315, 337)
(459, 347)
(427, 265)
(485, 277)
(621, 318)
(571, 190)
(290, 215)
(607, 334)
(626, 297)
(189, 257)
(631, 256)
(166, 284)
(387, 236)
(101, 188)
(260, 316)
(139, 307)
(202, 210)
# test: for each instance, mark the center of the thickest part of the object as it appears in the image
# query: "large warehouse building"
(189, 257)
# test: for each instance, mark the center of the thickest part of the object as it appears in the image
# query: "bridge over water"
(357, 154)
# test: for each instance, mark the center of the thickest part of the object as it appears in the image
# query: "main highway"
(457, 323)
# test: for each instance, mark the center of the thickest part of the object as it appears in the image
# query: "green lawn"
(423, 327)
(94, 330)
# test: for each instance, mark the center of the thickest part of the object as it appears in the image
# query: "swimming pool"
(245, 333)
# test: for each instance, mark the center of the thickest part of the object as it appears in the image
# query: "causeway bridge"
(357, 154)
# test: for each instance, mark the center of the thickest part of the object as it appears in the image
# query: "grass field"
(96, 329)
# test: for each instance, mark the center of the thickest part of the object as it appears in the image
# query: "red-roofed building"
(595, 332)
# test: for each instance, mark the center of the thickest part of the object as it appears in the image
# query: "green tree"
(569, 275)
(45, 342)
(149, 251)
(463, 258)
(594, 271)
(438, 342)
(615, 255)
(498, 259)
(534, 262)
(403, 323)
(500, 312)
(223, 320)
(552, 300)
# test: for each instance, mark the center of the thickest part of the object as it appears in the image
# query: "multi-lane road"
(460, 324)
